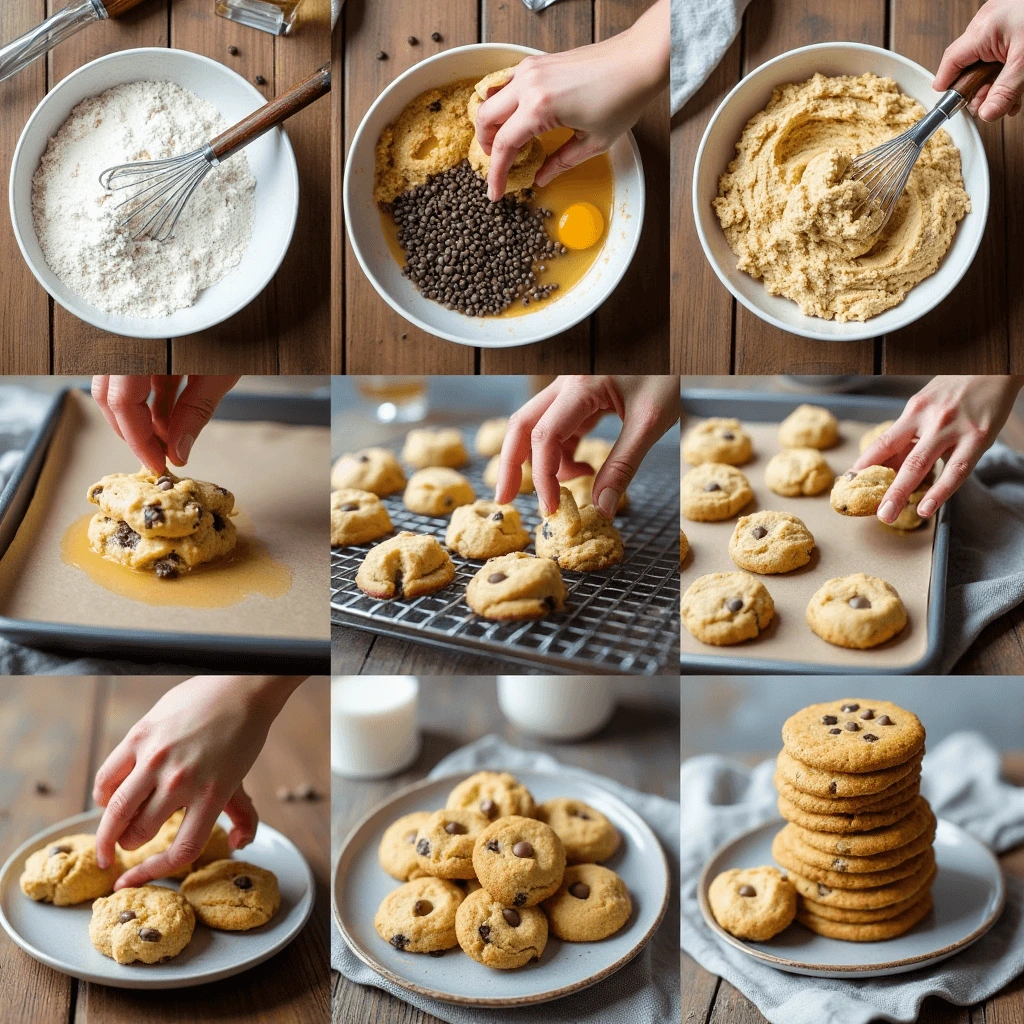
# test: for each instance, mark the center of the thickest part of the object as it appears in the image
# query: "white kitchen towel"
(645, 991)
(702, 30)
(960, 777)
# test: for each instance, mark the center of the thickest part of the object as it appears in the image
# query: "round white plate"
(360, 885)
(968, 892)
(59, 936)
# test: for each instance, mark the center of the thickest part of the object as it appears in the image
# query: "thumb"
(244, 819)
(582, 146)
(639, 432)
(196, 404)
(1006, 90)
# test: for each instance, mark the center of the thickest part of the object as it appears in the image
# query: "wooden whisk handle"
(260, 121)
(972, 78)
(115, 8)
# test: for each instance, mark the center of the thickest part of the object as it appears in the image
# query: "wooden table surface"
(709, 998)
(58, 731)
(285, 329)
(639, 748)
(978, 329)
(366, 334)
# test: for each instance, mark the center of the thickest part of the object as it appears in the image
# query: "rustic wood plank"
(631, 333)
(564, 26)
(1013, 172)
(771, 29)
(337, 208)
(968, 332)
(999, 649)
(698, 987)
(937, 1011)
(732, 1007)
(377, 339)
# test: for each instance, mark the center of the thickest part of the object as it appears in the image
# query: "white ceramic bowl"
(370, 246)
(270, 159)
(717, 148)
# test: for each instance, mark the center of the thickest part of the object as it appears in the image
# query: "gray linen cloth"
(702, 30)
(960, 777)
(645, 991)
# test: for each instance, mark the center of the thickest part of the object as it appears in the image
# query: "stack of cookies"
(858, 846)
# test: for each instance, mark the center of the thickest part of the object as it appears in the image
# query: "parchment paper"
(844, 545)
(278, 475)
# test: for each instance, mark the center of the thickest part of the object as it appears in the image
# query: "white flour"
(76, 220)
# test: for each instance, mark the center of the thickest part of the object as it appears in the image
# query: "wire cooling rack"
(622, 620)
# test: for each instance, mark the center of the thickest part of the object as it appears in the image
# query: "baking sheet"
(844, 545)
(277, 475)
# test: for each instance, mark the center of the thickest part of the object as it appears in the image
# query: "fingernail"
(185, 443)
(101, 862)
(607, 502)
(887, 512)
(926, 508)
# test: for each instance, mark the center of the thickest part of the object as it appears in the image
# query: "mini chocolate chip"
(850, 708)
(712, 487)
(829, 720)
(549, 603)
(242, 882)
(54, 850)
(43, 788)
(835, 732)
(580, 890)
(436, 36)
(849, 475)
(823, 890)
(747, 890)
(233, 50)
(435, 953)
(423, 847)
(412, 40)
(759, 532)
(488, 807)
(833, 787)
(728, 435)
(520, 899)
(484, 931)
(512, 917)
(734, 604)
(125, 916)
(167, 569)
(399, 941)
(260, 80)
(839, 865)
(435, 106)
(852, 727)
(381, 55)
(149, 935)
(493, 845)
(153, 515)
(546, 531)
(125, 536)
(97, 491)
(165, 483)
(522, 849)
(498, 516)
(454, 828)
(859, 602)
(885, 720)
(218, 522)
(422, 907)
(349, 506)
(497, 577)
(410, 837)
(867, 715)
(870, 737)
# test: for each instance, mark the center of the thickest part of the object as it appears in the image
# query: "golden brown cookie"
(357, 517)
(753, 903)
(408, 565)
(880, 840)
(581, 540)
(822, 782)
(437, 491)
(232, 895)
(397, 851)
(718, 439)
(499, 936)
(876, 931)
(713, 491)
(419, 917)
(425, 448)
(860, 493)
(587, 835)
(798, 471)
(809, 426)
(857, 611)
(65, 872)
(444, 842)
(485, 529)
(726, 608)
(373, 469)
(770, 542)
(519, 861)
(148, 924)
(591, 903)
(517, 586)
(493, 794)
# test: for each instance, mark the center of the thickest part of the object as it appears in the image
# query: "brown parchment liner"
(844, 545)
(278, 475)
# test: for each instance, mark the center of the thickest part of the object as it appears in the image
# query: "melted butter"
(589, 182)
(247, 571)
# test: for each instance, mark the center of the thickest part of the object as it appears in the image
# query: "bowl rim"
(858, 331)
(150, 327)
(587, 309)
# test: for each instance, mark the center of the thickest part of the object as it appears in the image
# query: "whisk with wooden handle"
(159, 190)
(885, 169)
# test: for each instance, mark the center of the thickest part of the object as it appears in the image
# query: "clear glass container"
(273, 16)
(395, 399)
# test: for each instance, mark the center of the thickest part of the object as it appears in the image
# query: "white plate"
(360, 885)
(59, 936)
(968, 892)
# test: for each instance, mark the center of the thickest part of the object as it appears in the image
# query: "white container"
(362, 218)
(271, 161)
(557, 707)
(718, 147)
(374, 725)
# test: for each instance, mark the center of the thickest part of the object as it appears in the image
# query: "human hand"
(953, 418)
(191, 749)
(599, 90)
(996, 33)
(167, 428)
(547, 429)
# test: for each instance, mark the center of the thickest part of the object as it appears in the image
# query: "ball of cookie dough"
(65, 872)
(373, 469)
(587, 835)
(519, 861)
(425, 448)
(491, 436)
(485, 529)
(419, 917)
(444, 842)
(525, 480)
(713, 491)
(809, 426)
(493, 794)
(148, 924)
(591, 903)
(397, 851)
(860, 493)
(857, 611)
(436, 491)
(770, 542)
(718, 439)
(215, 848)
(499, 936)
(798, 471)
(232, 895)
(753, 903)
(726, 608)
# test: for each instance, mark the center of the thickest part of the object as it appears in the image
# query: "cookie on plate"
(444, 842)
(65, 872)
(587, 835)
(397, 851)
(357, 517)
(525, 480)
(215, 848)
(814, 893)
(491, 436)
(581, 540)
(147, 924)
(408, 565)
(798, 471)
(726, 608)
(419, 917)
(857, 611)
(232, 895)
(860, 494)
(876, 931)
(499, 936)
(825, 783)
(787, 857)
(809, 426)
(753, 903)
(517, 586)
(425, 448)
(718, 439)
(880, 840)
(854, 865)
(770, 542)
(436, 491)
(493, 794)
(591, 903)
(519, 861)
(372, 469)
(712, 492)
(485, 529)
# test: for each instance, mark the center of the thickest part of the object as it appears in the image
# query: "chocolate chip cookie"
(357, 517)
(425, 448)
(841, 865)
(499, 936)
(587, 835)
(898, 793)
(860, 494)
(491, 436)
(493, 794)
(882, 840)
(798, 471)
(753, 903)
(770, 542)
(591, 903)
(437, 491)
(444, 842)
(842, 784)
(809, 426)
(525, 480)
(372, 469)
(232, 895)
(787, 857)
(215, 848)
(726, 608)
(866, 899)
(857, 611)
(581, 540)
(147, 924)
(718, 439)
(408, 565)
(397, 851)
(519, 861)
(65, 872)
(517, 586)
(485, 529)
(876, 931)
(419, 917)
(712, 492)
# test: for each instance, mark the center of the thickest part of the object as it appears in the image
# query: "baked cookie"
(65, 872)
(525, 481)
(811, 856)
(519, 861)
(770, 542)
(493, 794)
(161, 505)
(166, 557)
(517, 586)
(857, 611)
(357, 517)
(232, 895)
(857, 821)
(373, 469)
(498, 936)
(444, 842)
(215, 848)
(581, 540)
(425, 448)
(591, 903)
(491, 436)
(753, 903)
(787, 858)
(899, 793)
(419, 917)
(876, 931)
(831, 913)
(147, 924)
(408, 565)
(594, 451)
(908, 519)
(587, 835)
(582, 489)
(726, 607)
(712, 492)
(485, 529)
(809, 426)
(397, 851)
(684, 547)
(815, 893)
(717, 439)
(882, 840)
(798, 471)
(437, 491)
(822, 782)
(860, 494)
(868, 438)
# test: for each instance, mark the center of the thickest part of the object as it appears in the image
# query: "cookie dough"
(373, 469)
(753, 903)
(726, 607)
(425, 448)
(718, 439)
(65, 872)
(519, 861)
(770, 542)
(232, 895)
(857, 611)
(397, 851)
(419, 917)
(491, 436)
(493, 794)
(357, 517)
(444, 842)
(499, 936)
(148, 924)
(581, 540)
(436, 491)
(860, 494)
(591, 903)
(809, 426)
(587, 835)
(517, 586)
(525, 480)
(798, 471)
(408, 565)
(485, 529)
(712, 492)
(215, 848)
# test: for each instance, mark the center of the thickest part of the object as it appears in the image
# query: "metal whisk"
(160, 189)
(885, 169)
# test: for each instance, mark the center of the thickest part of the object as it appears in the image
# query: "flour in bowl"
(76, 220)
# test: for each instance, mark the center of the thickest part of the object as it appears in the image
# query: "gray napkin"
(702, 30)
(645, 991)
(960, 777)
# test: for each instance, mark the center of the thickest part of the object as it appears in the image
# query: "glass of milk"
(374, 725)
(557, 707)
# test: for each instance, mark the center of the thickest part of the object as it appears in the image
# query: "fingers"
(192, 411)
(162, 803)
(187, 846)
(640, 429)
(121, 808)
(569, 154)
(1005, 92)
(244, 819)
(957, 469)
(888, 446)
(909, 476)
(959, 54)
(127, 398)
(165, 388)
(493, 113)
(515, 133)
(114, 770)
(100, 386)
(515, 449)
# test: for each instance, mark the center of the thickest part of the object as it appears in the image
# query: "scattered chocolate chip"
(125, 916)
(849, 475)
(149, 935)
(580, 890)
(448, 502)
(153, 515)
(399, 580)
(435, 953)
(852, 727)
(399, 941)
(823, 890)
(829, 720)
(850, 708)
(165, 483)
(167, 568)
(839, 865)
(436, 36)
(412, 40)
(488, 807)
(233, 50)
(54, 850)
(260, 80)
(43, 788)
(422, 907)
(712, 487)
(870, 737)
(759, 532)
(435, 106)
(423, 847)
(381, 55)
(498, 516)
(242, 882)
(96, 491)
(520, 899)
(493, 845)
(497, 577)
(454, 828)
(546, 531)
(222, 490)
(747, 890)
(522, 849)
(484, 931)
(126, 536)
(885, 720)
(734, 604)
(512, 918)
(833, 787)
(728, 435)
(867, 714)
(860, 603)
(835, 732)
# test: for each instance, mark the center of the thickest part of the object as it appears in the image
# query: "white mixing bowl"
(362, 218)
(718, 147)
(270, 159)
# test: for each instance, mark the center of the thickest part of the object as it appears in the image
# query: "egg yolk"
(580, 226)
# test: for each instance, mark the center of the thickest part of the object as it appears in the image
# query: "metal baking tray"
(622, 620)
(239, 653)
(764, 407)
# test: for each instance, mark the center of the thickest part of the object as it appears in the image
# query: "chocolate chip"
(546, 531)
(759, 532)
(580, 890)
(260, 80)
(435, 953)
(125, 916)
(126, 536)
(488, 807)
(829, 720)
(849, 475)
(850, 708)
(712, 487)
(399, 941)
(522, 849)
(381, 55)
(454, 828)
(549, 603)
(728, 435)
(149, 935)
(885, 720)
(96, 491)
(165, 483)
(852, 727)
(520, 899)
(349, 506)
(833, 787)
(484, 931)
(167, 568)
(512, 918)
(242, 882)
(579, 814)
(410, 837)
(436, 36)
(859, 602)
(867, 715)
(839, 865)
(54, 850)
(497, 577)
(493, 845)
(435, 106)
(498, 516)
(747, 890)
(43, 788)
(412, 40)
(399, 580)
(823, 890)
(422, 907)
(423, 847)
(834, 732)
(222, 490)
(233, 50)
(364, 458)
(734, 604)
(870, 737)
